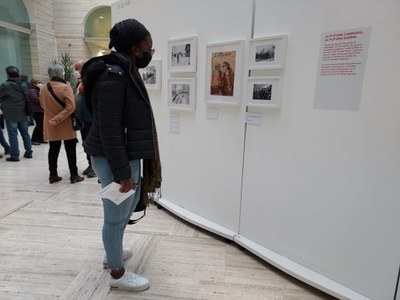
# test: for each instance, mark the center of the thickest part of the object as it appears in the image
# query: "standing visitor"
(37, 112)
(123, 133)
(13, 95)
(82, 111)
(58, 123)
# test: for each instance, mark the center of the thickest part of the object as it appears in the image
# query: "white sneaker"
(126, 253)
(130, 282)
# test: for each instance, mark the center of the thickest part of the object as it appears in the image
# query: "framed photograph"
(182, 93)
(151, 75)
(182, 55)
(224, 72)
(264, 91)
(268, 52)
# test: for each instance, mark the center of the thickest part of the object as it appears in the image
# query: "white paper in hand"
(112, 193)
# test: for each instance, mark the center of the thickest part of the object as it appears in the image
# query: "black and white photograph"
(264, 91)
(151, 75)
(267, 52)
(182, 55)
(181, 93)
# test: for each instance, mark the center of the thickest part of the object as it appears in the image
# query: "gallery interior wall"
(317, 187)
(329, 195)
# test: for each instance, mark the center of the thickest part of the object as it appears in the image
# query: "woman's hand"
(126, 185)
(53, 121)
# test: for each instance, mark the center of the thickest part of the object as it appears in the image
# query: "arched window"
(97, 28)
(14, 37)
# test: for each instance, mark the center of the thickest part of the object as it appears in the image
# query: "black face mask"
(144, 60)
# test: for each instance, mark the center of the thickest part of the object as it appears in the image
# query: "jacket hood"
(94, 67)
(16, 80)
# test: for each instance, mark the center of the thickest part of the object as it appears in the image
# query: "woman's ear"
(134, 51)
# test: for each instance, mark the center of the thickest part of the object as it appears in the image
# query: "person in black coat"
(13, 97)
(122, 134)
(37, 112)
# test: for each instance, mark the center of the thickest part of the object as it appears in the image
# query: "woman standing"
(37, 110)
(57, 122)
(123, 132)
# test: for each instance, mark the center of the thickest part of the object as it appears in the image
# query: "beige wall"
(43, 43)
(58, 27)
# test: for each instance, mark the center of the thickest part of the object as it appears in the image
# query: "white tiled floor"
(50, 246)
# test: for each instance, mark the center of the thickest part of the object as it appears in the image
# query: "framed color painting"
(224, 72)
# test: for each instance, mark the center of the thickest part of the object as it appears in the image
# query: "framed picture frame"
(151, 75)
(267, 52)
(182, 93)
(224, 72)
(182, 55)
(264, 91)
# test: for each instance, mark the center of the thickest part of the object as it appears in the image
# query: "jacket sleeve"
(110, 102)
(3, 91)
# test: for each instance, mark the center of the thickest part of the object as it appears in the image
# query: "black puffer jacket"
(122, 128)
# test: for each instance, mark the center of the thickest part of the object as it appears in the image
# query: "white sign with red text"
(342, 61)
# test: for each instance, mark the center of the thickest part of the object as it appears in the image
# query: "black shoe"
(28, 155)
(87, 170)
(91, 174)
(12, 159)
(36, 143)
(43, 142)
(54, 178)
(76, 178)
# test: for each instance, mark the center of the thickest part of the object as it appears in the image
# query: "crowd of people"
(119, 134)
(25, 103)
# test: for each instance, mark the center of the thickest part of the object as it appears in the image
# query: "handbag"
(141, 206)
(77, 123)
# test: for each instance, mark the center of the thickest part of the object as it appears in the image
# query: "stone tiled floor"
(50, 246)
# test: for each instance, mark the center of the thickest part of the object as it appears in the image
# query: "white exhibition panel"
(202, 164)
(321, 187)
(320, 196)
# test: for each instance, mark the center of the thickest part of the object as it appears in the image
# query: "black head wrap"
(126, 34)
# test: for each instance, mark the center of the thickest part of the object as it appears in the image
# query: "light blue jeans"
(12, 130)
(116, 217)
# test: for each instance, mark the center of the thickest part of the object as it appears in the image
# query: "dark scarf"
(151, 167)
(58, 79)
